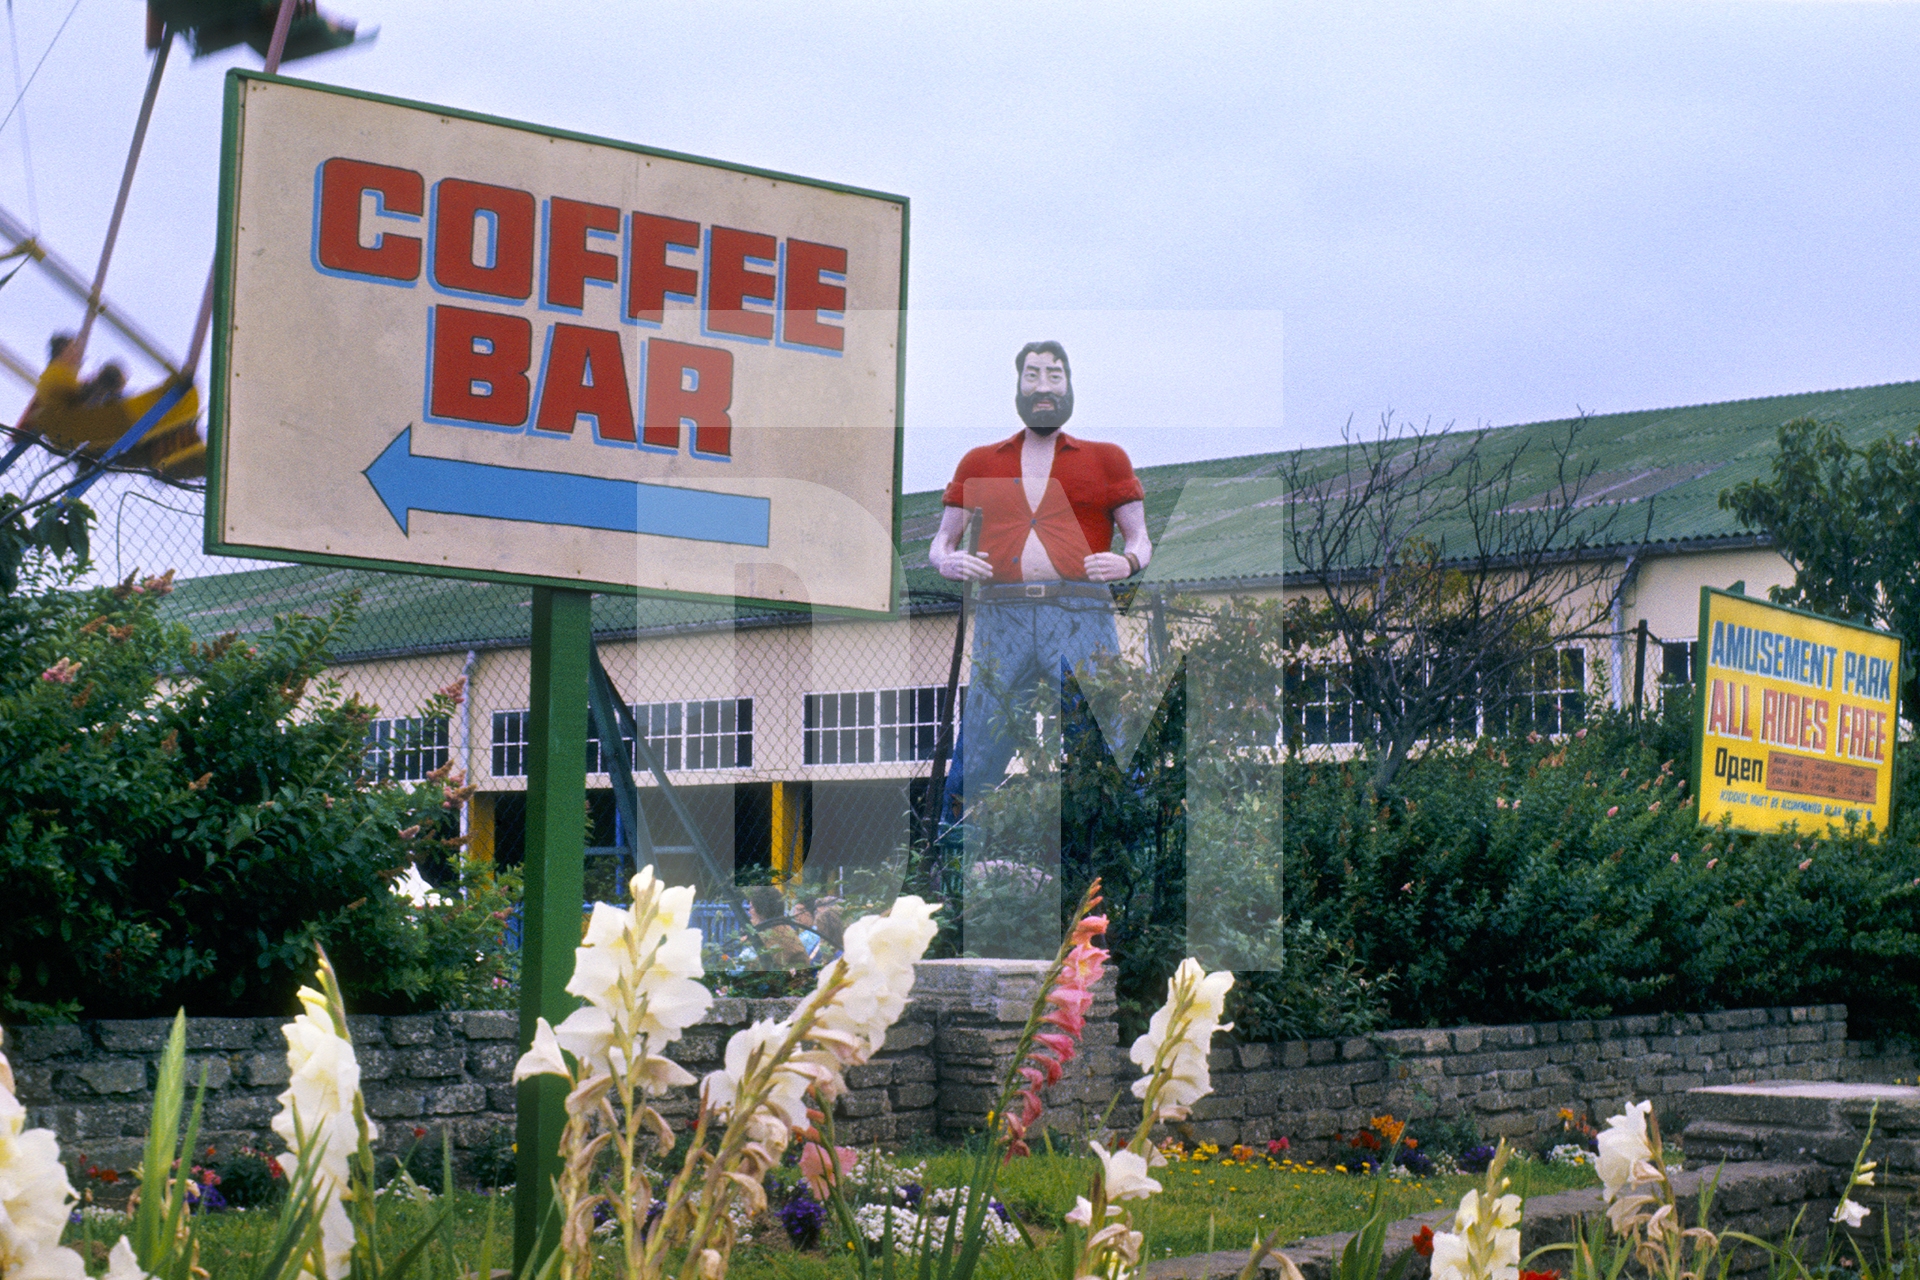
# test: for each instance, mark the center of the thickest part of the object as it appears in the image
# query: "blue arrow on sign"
(407, 481)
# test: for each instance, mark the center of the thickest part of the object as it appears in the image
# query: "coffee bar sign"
(459, 345)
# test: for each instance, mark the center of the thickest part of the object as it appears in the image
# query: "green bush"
(250, 1179)
(1526, 880)
(181, 822)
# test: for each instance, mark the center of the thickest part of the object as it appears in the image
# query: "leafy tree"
(38, 531)
(180, 822)
(1849, 521)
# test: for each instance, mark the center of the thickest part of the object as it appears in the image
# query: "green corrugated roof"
(1213, 521)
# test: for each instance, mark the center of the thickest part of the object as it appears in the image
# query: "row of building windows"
(1548, 698)
(860, 727)
(702, 734)
(405, 748)
(883, 726)
(874, 726)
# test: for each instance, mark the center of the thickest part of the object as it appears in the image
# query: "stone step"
(1808, 1104)
(1819, 1121)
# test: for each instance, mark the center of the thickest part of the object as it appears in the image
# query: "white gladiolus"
(1126, 1174)
(880, 952)
(1851, 1212)
(1450, 1257)
(317, 1120)
(873, 977)
(638, 970)
(1081, 1215)
(122, 1265)
(543, 1059)
(34, 1196)
(1183, 1028)
(785, 1107)
(1485, 1241)
(1626, 1151)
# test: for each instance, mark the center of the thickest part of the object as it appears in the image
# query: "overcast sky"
(1464, 212)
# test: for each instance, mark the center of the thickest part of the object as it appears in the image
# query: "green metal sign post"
(555, 886)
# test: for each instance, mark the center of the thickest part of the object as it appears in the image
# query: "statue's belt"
(1030, 591)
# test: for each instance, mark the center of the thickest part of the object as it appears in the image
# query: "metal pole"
(282, 23)
(1639, 668)
(554, 885)
(644, 758)
(943, 744)
(120, 201)
(617, 764)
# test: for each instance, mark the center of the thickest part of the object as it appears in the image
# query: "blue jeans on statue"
(1017, 644)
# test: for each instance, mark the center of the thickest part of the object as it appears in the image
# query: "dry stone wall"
(92, 1082)
(1510, 1080)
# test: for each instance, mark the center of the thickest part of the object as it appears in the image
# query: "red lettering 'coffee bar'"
(1828, 779)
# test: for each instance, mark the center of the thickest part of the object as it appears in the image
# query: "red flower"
(1278, 1145)
(1539, 1275)
(1423, 1243)
(418, 1133)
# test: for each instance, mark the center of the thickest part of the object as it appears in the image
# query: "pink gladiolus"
(1070, 998)
(814, 1168)
(1089, 928)
(1070, 1018)
(1058, 1045)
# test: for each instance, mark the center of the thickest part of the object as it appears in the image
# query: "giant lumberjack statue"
(1049, 503)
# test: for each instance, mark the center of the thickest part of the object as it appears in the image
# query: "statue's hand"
(964, 566)
(1105, 566)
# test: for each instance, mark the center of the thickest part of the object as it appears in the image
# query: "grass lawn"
(1214, 1203)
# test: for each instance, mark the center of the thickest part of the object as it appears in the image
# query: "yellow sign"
(1795, 717)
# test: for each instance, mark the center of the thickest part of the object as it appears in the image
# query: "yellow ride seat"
(171, 446)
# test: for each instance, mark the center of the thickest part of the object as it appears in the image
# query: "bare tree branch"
(1449, 570)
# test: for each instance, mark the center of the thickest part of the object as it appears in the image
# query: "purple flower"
(1476, 1159)
(910, 1195)
(1414, 1162)
(1000, 1209)
(804, 1218)
(203, 1198)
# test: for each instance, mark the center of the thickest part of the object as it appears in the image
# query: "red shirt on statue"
(1075, 518)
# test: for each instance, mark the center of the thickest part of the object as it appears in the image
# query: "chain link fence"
(772, 745)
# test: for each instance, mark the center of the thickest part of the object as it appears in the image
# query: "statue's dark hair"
(1052, 348)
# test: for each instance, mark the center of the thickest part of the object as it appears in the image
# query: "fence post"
(1639, 668)
(555, 883)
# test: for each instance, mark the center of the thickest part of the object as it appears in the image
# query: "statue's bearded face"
(1045, 397)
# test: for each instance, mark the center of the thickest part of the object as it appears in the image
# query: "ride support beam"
(126, 187)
